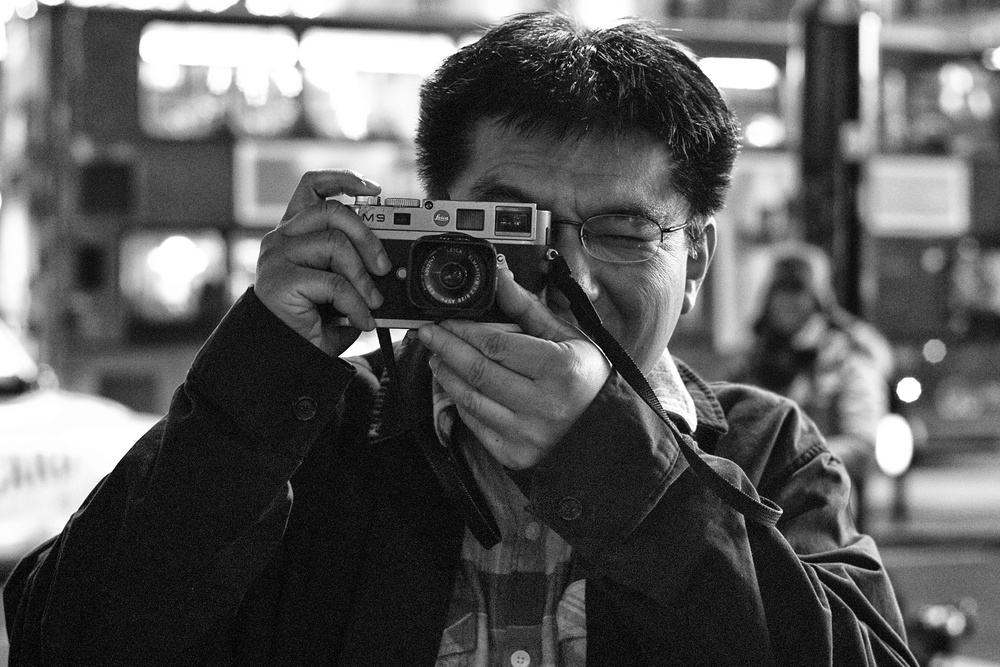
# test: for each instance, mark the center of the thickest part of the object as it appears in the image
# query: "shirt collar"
(671, 391)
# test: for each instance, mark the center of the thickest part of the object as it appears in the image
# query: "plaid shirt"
(519, 603)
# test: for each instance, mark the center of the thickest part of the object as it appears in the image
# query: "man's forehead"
(495, 138)
(630, 173)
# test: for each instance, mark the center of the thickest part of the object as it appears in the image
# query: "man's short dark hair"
(542, 72)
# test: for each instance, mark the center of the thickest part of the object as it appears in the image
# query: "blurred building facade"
(147, 146)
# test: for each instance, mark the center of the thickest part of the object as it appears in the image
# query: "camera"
(445, 255)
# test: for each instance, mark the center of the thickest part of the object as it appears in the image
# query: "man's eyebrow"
(639, 211)
(491, 190)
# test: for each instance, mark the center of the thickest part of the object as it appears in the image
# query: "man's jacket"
(283, 512)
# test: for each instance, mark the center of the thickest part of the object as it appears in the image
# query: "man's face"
(789, 308)
(575, 180)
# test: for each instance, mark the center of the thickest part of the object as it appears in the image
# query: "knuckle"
(369, 241)
(337, 283)
(269, 240)
(494, 346)
(442, 345)
(331, 206)
(478, 371)
(311, 176)
(269, 260)
(266, 253)
(337, 240)
(472, 402)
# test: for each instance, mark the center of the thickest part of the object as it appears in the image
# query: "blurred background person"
(835, 365)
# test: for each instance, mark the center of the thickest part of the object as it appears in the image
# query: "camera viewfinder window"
(513, 221)
(400, 218)
(470, 219)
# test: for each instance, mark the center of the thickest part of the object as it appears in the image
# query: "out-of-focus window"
(947, 108)
(173, 281)
(365, 84)
(752, 88)
(196, 78)
(243, 253)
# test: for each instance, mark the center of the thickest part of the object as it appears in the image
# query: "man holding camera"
(489, 496)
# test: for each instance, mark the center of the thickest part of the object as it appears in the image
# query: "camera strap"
(761, 511)
(385, 345)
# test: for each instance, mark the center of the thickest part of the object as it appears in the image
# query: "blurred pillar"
(833, 73)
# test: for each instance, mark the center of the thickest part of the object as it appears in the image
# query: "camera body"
(445, 255)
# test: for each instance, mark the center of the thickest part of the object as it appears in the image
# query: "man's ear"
(698, 260)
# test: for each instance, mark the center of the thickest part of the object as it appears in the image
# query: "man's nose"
(580, 262)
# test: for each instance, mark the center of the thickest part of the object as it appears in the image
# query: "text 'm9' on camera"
(445, 256)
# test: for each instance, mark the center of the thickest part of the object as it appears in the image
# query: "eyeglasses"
(620, 238)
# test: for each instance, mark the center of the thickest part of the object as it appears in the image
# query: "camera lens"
(452, 276)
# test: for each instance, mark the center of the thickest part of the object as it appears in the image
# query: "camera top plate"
(498, 222)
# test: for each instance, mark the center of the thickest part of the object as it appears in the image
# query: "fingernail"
(383, 264)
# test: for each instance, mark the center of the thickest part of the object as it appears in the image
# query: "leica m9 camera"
(445, 256)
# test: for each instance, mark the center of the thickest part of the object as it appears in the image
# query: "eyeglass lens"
(621, 238)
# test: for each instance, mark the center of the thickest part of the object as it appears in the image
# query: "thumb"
(528, 311)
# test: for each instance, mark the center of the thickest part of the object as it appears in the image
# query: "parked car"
(55, 446)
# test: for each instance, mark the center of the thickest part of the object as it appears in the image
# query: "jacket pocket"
(458, 642)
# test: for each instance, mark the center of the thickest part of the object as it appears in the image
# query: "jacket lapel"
(413, 553)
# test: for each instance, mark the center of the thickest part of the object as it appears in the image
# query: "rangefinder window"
(470, 219)
(513, 221)
(400, 218)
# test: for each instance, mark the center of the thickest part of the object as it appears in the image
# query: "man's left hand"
(518, 392)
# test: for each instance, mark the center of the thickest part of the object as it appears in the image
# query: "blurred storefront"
(148, 145)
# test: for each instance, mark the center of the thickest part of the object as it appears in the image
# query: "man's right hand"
(322, 253)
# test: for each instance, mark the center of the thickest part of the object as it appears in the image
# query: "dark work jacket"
(283, 513)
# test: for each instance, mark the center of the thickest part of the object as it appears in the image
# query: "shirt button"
(520, 659)
(570, 509)
(305, 408)
(532, 531)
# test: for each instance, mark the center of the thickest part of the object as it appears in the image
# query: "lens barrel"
(453, 274)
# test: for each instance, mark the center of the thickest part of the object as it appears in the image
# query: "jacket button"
(520, 659)
(570, 509)
(305, 408)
